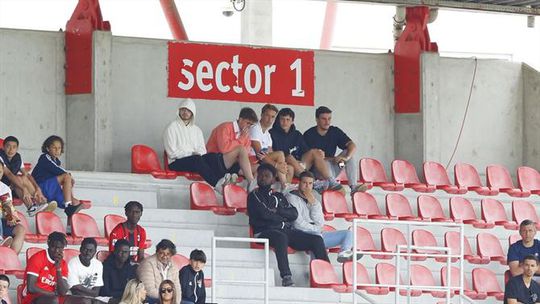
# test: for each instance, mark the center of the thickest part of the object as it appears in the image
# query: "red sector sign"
(241, 73)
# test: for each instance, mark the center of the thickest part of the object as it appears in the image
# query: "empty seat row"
(323, 275)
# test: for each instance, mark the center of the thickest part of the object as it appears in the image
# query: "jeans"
(351, 169)
(343, 238)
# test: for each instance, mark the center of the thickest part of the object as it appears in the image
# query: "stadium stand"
(404, 173)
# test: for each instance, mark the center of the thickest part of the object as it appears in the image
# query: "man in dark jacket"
(192, 279)
(271, 217)
(290, 141)
(117, 271)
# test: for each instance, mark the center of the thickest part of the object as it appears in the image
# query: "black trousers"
(205, 165)
(298, 240)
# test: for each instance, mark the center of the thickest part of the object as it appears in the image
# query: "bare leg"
(20, 193)
(66, 181)
(240, 156)
(295, 164)
(277, 159)
(315, 158)
(18, 238)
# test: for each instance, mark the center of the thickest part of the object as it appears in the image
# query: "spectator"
(528, 245)
(328, 138)
(4, 288)
(192, 279)
(85, 276)
(522, 288)
(261, 146)
(167, 293)
(46, 273)
(117, 271)
(55, 182)
(158, 267)
(287, 139)
(271, 217)
(10, 220)
(135, 293)
(230, 142)
(311, 220)
(186, 151)
(131, 231)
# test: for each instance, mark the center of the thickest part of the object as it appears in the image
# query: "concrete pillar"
(531, 117)
(257, 22)
(409, 139)
(89, 127)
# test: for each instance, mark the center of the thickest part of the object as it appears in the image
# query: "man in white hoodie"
(186, 148)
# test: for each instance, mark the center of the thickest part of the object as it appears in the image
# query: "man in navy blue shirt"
(522, 288)
(528, 245)
(328, 138)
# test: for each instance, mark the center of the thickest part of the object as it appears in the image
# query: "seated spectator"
(22, 183)
(167, 293)
(311, 220)
(528, 245)
(186, 151)
(135, 293)
(55, 182)
(261, 146)
(117, 271)
(46, 274)
(328, 138)
(4, 288)
(522, 288)
(85, 276)
(271, 217)
(192, 279)
(131, 231)
(158, 267)
(6, 240)
(287, 139)
(230, 144)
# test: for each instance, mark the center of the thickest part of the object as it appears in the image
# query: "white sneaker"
(252, 185)
(222, 183)
(345, 256)
(233, 179)
(34, 209)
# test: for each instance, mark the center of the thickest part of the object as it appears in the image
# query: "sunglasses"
(167, 290)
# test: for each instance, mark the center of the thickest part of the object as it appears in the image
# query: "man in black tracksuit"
(271, 217)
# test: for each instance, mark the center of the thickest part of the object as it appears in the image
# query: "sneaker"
(34, 209)
(51, 206)
(222, 182)
(71, 209)
(345, 256)
(252, 185)
(233, 178)
(6, 242)
(320, 186)
(287, 281)
(359, 188)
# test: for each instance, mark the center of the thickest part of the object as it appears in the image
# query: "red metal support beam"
(328, 25)
(85, 20)
(173, 19)
(413, 41)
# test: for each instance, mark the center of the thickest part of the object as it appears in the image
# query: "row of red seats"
(465, 175)
(145, 160)
(323, 275)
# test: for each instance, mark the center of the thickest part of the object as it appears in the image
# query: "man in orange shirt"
(230, 141)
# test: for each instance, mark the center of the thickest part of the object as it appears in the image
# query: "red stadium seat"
(110, 221)
(362, 277)
(328, 228)
(83, 225)
(364, 242)
(48, 222)
(145, 160)
(9, 263)
(391, 238)
(421, 237)
(493, 213)
(422, 276)
(29, 237)
(372, 173)
(203, 197)
(365, 206)
(488, 246)
(466, 176)
(435, 175)
(429, 209)
(513, 238)
(235, 197)
(179, 260)
(499, 178)
(528, 179)
(102, 255)
(386, 274)
(189, 175)
(454, 280)
(485, 282)
(524, 210)
(335, 205)
(461, 210)
(451, 239)
(403, 172)
(323, 275)
(397, 206)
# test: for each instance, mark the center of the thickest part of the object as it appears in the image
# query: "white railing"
(264, 282)
(408, 253)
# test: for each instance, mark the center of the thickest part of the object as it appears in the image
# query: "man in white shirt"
(261, 145)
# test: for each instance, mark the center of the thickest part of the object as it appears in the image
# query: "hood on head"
(190, 105)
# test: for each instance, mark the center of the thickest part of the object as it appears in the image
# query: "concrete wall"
(32, 100)
(493, 131)
(531, 117)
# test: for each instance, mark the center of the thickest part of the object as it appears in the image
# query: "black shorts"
(215, 160)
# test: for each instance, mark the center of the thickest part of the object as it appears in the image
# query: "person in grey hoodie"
(311, 220)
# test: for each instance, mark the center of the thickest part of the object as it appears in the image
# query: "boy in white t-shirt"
(85, 276)
(261, 146)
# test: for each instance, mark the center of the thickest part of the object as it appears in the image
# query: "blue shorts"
(6, 229)
(53, 191)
